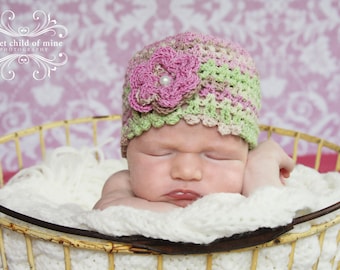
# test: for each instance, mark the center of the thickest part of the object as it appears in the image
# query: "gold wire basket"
(32, 230)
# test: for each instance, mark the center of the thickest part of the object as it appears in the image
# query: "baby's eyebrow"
(158, 144)
(220, 151)
(222, 146)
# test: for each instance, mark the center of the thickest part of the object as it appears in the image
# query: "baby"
(190, 126)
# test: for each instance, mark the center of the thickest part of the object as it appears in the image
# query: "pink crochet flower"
(164, 81)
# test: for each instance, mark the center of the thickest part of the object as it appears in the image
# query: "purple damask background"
(295, 43)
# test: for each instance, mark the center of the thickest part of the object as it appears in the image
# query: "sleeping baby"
(190, 126)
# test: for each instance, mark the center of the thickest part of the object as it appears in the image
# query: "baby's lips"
(184, 195)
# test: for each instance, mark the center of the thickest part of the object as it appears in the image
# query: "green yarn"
(210, 106)
(246, 86)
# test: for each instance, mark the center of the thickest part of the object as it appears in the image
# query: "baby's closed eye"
(159, 153)
(218, 156)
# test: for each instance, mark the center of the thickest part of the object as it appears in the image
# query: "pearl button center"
(165, 80)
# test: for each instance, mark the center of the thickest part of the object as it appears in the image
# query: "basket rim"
(94, 119)
(54, 124)
(262, 237)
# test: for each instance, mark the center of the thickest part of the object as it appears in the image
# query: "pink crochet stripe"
(227, 95)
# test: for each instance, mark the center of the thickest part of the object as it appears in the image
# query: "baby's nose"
(187, 166)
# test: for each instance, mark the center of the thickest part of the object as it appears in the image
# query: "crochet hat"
(194, 77)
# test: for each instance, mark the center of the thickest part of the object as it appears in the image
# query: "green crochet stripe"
(235, 78)
(141, 122)
(221, 112)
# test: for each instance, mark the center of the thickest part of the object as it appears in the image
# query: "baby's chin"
(182, 203)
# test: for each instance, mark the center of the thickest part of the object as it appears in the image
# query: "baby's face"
(181, 163)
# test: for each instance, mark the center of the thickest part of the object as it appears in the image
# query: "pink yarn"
(147, 93)
(227, 95)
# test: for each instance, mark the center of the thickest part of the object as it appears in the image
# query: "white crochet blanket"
(64, 188)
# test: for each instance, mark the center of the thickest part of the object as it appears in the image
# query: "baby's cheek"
(232, 179)
(145, 187)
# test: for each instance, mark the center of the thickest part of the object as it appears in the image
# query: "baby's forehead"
(186, 136)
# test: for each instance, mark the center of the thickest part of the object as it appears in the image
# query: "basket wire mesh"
(110, 247)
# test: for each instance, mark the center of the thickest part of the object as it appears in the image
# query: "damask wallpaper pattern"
(295, 44)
